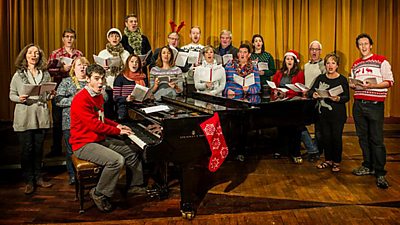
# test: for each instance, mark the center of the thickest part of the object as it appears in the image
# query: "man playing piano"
(90, 141)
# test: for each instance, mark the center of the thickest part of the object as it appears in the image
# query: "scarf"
(247, 69)
(116, 51)
(138, 77)
(134, 40)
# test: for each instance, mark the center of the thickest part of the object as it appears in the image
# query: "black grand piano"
(173, 133)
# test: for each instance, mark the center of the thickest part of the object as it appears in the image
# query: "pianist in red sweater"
(91, 141)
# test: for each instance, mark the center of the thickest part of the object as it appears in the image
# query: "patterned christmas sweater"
(375, 66)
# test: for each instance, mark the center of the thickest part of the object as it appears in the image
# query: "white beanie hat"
(116, 30)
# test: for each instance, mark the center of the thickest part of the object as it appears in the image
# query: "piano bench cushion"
(85, 169)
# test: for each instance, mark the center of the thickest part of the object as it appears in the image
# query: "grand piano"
(174, 134)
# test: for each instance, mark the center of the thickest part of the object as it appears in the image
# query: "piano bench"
(87, 175)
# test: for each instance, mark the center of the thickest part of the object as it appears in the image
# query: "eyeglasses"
(69, 36)
(315, 49)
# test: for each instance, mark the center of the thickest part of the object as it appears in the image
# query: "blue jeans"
(368, 119)
(70, 166)
(307, 140)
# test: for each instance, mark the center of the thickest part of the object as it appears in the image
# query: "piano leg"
(191, 174)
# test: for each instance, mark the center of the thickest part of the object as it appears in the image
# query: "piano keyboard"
(142, 137)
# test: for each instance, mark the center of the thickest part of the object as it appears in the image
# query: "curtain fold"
(284, 24)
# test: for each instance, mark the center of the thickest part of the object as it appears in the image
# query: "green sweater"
(265, 57)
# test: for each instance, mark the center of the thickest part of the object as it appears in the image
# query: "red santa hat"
(294, 54)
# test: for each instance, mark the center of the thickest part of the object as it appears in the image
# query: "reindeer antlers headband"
(173, 26)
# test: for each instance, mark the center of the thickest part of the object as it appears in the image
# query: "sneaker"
(72, 180)
(41, 183)
(297, 160)
(102, 202)
(362, 171)
(381, 182)
(137, 190)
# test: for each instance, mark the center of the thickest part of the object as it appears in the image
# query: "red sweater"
(298, 78)
(86, 120)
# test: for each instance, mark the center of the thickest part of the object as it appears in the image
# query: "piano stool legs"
(87, 175)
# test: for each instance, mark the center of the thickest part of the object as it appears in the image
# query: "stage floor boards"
(261, 190)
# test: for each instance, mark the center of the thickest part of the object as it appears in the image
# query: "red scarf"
(138, 77)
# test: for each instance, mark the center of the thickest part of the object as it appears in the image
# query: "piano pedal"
(187, 211)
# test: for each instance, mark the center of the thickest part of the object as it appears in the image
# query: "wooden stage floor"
(261, 190)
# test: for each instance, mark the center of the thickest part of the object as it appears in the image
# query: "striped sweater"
(375, 66)
(237, 88)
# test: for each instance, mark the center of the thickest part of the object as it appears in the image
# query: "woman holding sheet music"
(331, 110)
(67, 89)
(241, 75)
(31, 115)
(264, 60)
(166, 78)
(209, 77)
(289, 137)
(125, 83)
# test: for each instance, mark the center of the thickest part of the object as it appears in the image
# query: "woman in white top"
(209, 77)
(114, 49)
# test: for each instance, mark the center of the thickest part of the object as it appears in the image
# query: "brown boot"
(41, 183)
(29, 189)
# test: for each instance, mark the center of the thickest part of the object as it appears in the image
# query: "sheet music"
(193, 57)
(181, 59)
(271, 84)
(227, 58)
(156, 108)
(336, 91)
(66, 61)
(263, 66)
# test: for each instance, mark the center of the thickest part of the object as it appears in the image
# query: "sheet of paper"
(263, 66)
(156, 108)
(218, 59)
(249, 80)
(193, 57)
(47, 87)
(302, 87)
(114, 62)
(323, 93)
(238, 79)
(271, 84)
(144, 57)
(66, 61)
(293, 87)
(227, 58)
(181, 59)
(336, 91)
(99, 61)
(139, 92)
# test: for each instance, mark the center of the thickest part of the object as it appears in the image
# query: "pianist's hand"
(123, 127)
(123, 131)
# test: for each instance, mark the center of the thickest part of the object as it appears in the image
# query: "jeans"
(31, 142)
(112, 154)
(368, 120)
(307, 140)
(70, 166)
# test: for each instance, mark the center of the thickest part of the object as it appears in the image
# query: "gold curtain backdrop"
(284, 24)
